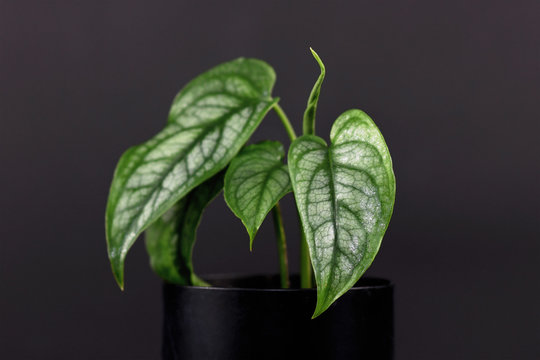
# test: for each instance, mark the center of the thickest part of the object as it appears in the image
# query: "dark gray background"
(454, 86)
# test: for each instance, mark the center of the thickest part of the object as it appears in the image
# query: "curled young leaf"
(255, 181)
(345, 196)
(209, 122)
(170, 239)
(311, 108)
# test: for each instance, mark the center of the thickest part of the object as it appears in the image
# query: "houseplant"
(344, 193)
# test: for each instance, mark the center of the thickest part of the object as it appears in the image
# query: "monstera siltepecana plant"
(344, 192)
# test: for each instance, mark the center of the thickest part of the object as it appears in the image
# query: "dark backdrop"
(453, 85)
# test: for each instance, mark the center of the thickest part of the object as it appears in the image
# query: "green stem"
(282, 247)
(306, 273)
(285, 120)
(305, 264)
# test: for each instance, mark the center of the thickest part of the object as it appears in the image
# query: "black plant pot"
(251, 318)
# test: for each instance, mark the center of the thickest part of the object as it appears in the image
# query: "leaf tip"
(319, 309)
(117, 265)
(252, 232)
(251, 238)
(119, 277)
(324, 301)
(318, 59)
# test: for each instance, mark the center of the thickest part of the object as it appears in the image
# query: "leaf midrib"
(172, 122)
(217, 123)
(334, 208)
(267, 176)
(334, 200)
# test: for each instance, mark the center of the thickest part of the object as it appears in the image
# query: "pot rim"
(380, 283)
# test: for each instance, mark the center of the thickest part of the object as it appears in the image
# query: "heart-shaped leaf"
(345, 196)
(170, 239)
(255, 181)
(209, 122)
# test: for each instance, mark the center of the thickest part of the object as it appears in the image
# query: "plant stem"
(305, 264)
(285, 121)
(281, 246)
(306, 273)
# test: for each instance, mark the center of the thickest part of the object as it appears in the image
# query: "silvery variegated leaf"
(209, 122)
(255, 181)
(345, 196)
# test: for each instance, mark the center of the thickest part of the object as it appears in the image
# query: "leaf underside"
(209, 122)
(345, 196)
(170, 239)
(255, 181)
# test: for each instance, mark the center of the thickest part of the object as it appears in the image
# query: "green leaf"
(345, 196)
(255, 181)
(311, 109)
(209, 122)
(170, 239)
